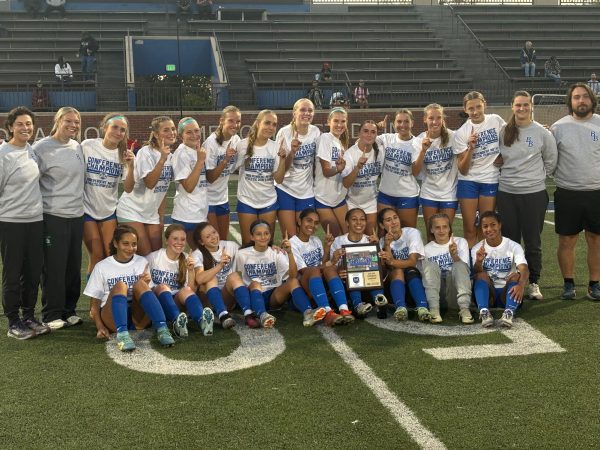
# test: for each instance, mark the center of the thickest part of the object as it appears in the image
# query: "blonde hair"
(252, 134)
(295, 107)
(473, 95)
(227, 110)
(185, 121)
(345, 136)
(122, 145)
(154, 128)
(60, 114)
(444, 131)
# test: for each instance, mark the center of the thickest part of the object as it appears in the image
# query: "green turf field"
(374, 384)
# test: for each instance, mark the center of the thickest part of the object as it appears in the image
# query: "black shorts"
(576, 211)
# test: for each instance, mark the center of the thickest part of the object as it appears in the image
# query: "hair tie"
(183, 123)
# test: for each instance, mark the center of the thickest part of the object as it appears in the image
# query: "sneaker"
(380, 300)
(124, 342)
(568, 291)
(206, 322)
(332, 319)
(252, 321)
(20, 331)
(57, 324)
(312, 316)
(423, 314)
(267, 320)
(465, 316)
(164, 337)
(533, 292)
(401, 314)
(74, 320)
(435, 317)
(37, 326)
(363, 309)
(594, 292)
(487, 320)
(227, 322)
(180, 325)
(347, 315)
(506, 319)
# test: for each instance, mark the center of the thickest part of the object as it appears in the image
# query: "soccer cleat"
(507, 319)
(180, 326)
(227, 322)
(363, 309)
(347, 315)
(533, 292)
(401, 314)
(312, 316)
(37, 326)
(267, 320)
(207, 321)
(594, 292)
(382, 312)
(164, 337)
(487, 320)
(568, 291)
(423, 314)
(74, 320)
(435, 317)
(252, 321)
(57, 324)
(124, 342)
(20, 331)
(465, 316)
(332, 319)
(380, 300)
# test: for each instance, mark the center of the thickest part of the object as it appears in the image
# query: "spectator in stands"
(88, 47)
(184, 7)
(594, 84)
(528, 58)
(55, 6)
(39, 96)
(63, 71)
(552, 69)
(339, 100)
(33, 7)
(315, 95)
(204, 9)
(361, 95)
(325, 74)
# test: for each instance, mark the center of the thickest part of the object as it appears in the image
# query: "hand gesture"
(388, 238)
(145, 276)
(103, 333)
(426, 144)
(328, 237)
(382, 125)
(164, 150)
(472, 142)
(386, 257)
(363, 159)
(190, 262)
(282, 151)
(225, 259)
(129, 156)
(453, 249)
(337, 255)
(229, 153)
(295, 143)
(200, 152)
(373, 239)
(286, 244)
(340, 163)
(481, 254)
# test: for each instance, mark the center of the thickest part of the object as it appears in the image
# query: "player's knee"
(411, 273)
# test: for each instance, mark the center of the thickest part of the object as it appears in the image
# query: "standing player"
(577, 193)
(477, 145)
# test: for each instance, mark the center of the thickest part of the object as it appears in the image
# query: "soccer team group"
(61, 192)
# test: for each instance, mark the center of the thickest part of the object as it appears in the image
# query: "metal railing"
(485, 2)
(362, 2)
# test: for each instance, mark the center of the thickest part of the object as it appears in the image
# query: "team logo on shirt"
(104, 168)
(594, 136)
(444, 260)
(438, 160)
(313, 257)
(529, 141)
(400, 253)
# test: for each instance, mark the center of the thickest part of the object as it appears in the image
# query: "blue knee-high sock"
(336, 287)
(257, 301)
(317, 289)
(511, 303)
(194, 307)
(119, 312)
(398, 291)
(242, 296)
(375, 293)
(300, 299)
(167, 302)
(355, 298)
(216, 300)
(482, 293)
(415, 286)
(151, 306)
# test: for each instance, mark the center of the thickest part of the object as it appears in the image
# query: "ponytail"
(511, 130)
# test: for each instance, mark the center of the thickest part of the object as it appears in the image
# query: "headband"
(337, 110)
(117, 118)
(258, 224)
(183, 123)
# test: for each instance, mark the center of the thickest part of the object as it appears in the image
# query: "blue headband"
(183, 123)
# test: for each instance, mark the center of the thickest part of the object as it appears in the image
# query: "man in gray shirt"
(577, 196)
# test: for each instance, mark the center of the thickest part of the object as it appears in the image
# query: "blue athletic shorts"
(398, 202)
(438, 205)
(473, 189)
(290, 203)
(319, 205)
(187, 225)
(88, 218)
(219, 210)
(242, 208)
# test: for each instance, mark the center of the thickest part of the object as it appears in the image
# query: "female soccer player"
(477, 145)
(120, 297)
(265, 272)
(398, 187)
(261, 161)
(446, 271)
(500, 272)
(296, 193)
(402, 249)
(221, 159)
(21, 226)
(364, 162)
(190, 206)
(107, 162)
(434, 152)
(62, 169)
(529, 154)
(330, 193)
(142, 208)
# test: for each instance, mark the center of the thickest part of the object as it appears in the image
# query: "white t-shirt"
(141, 204)
(440, 168)
(256, 186)
(440, 253)
(363, 192)
(486, 150)
(409, 242)
(397, 179)
(231, 248)
(500, 261)
(342, 240)
(307, 254)
(269, 268)
(218, 192)
(164, 270)
(329, 191)
(298, 181)
(103, 173)
(109, 272)
(192, 206)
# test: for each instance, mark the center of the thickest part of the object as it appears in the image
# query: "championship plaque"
(363, 266)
